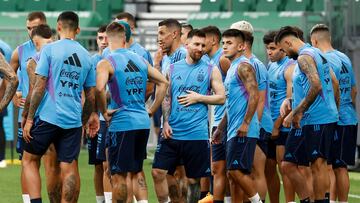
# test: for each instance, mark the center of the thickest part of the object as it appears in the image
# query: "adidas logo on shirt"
(131, 67)
(73, 60)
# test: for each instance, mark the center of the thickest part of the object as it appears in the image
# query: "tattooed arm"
(247, 76)
(219, 132)
(166, 109)
(308, 67)
(11, 81)
(32, 78)
(14, 63)
(335, 84)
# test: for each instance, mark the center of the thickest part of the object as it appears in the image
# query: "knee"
(99, 169)
(158, 175)
(287, 167)
(319, 166)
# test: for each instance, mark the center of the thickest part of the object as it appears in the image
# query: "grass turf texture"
(11, 190)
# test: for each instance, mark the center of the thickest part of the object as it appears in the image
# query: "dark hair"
(269, 37)
(170, 23)
(196, 32)
(284, 32)
(102, 29)
(36, 15)
(212, 30)
(126, 15)
(248, 37)
(234, 33)
(319, 28)
(187, 26)
(69, 19)
(115, 28)
(299, 32)
(43, 31)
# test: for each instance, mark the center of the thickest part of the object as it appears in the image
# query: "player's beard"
(293, 55)
(196, 55)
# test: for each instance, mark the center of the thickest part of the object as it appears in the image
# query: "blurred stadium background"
(342, 16)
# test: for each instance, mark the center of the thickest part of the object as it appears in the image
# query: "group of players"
(297, 113)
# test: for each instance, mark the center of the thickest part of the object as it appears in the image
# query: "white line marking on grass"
(354, 196)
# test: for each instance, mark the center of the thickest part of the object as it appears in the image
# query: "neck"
(214, 50)
(67, 35)
(297, 45)
(247, 53)
(239, 54)
(325, 47)
(100, 51)
(175, 45)
(282, 58)
(190, 60)
(131, 41)
(114, 46)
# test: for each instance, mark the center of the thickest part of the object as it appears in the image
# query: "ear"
(77, 30)
(288, 43)
(58, 27)
(174, 33)
(213, 41)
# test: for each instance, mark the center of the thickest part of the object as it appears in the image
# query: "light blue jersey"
(68, 68)
(277, 86)
(323, 110)
(95, 60)
(341, 65)
(5, 50)
(219, 110)
(127, 88)
(237, 101)
(141, 51)
(298, 91)
(25, 52)
(178, 55)
(263, 82)
(189, 123)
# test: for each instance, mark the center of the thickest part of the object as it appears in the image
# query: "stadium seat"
(36, 5)
(318, 5)
(103, 8)
(117, 6)
(268, 5)
(8, 5)
(64, 5)
(242, 5)
(298, 5)
(212, 5)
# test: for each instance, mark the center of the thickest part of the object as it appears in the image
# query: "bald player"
(344, 141)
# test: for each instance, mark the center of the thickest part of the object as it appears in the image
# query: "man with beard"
(185, 115)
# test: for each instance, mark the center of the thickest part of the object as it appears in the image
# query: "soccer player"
(96, 145)
(317, 110)
(218, 151)
(280, 71)
(40, 36)
(344, 141)
(9, 76)
(185, 29)
(171, 51)
(240, 120)
(130, 123)
(55, 114)
(263, 108)
(19, 62)
(185, 115)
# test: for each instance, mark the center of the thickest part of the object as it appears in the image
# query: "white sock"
(26, 198)
(100, 199)
(108, 197)
(255, 199)
(143, 201)
(227, 200)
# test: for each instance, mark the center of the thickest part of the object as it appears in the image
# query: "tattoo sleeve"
(89, 105)
(11, 82)
(166, 104)
(308, 67)
(37, 95)
(247, 76)
(32, 79)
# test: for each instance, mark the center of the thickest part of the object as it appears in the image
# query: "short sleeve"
(90, 80)
(43, 66)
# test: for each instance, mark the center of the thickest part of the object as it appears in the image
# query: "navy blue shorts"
(240, 153)
(344, 146)
(96, 146)
(281, 140)
(66, 141)
(271, 149)
(318, 140)
(262, 142)
(218, 151)
(195, 155)
(295, 150)
(19, 142)
(127, 150)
